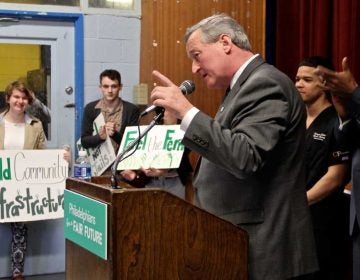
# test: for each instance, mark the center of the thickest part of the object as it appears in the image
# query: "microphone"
(187, 87)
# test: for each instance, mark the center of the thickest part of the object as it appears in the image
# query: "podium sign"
(85, 222)
(152, 235)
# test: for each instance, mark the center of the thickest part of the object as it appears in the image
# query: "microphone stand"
(119, 158)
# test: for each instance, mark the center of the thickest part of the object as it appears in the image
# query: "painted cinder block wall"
(109, 42)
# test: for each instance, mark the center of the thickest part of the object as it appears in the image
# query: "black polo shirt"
(330, 215)
(322, 150)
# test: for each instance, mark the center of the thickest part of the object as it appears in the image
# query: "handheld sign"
(102, 156)
(32, 184)
(160, 148)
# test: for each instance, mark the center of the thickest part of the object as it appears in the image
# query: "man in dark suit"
(344, 85)
(251, 172)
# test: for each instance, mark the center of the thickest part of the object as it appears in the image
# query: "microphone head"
(187, 87)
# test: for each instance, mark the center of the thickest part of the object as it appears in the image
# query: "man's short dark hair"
(111, 74)
(315, 61)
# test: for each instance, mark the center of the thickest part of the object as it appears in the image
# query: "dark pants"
(356, 251)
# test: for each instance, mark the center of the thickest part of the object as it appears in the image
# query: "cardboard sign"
(102, 156)
(160, 148)
(32, 184)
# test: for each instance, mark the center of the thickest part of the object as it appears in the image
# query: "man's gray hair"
(214, 26)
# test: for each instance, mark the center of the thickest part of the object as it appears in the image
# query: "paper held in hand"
(102, 156)
(160, 148)
(32, 184)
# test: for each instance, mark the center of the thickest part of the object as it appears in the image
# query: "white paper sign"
(32, 184)
(102, 156)
(160, 148)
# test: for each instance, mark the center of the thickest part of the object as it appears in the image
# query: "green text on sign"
(85, 222)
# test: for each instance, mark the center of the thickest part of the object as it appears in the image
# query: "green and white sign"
(32, 184)
(85, 222)
(101, 156)
(160, 148)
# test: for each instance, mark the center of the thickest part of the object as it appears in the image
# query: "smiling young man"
(117, 113)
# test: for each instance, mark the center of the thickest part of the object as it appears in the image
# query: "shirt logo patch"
(342, 155)
(319, 136)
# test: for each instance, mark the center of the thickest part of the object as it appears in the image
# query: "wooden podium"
(155, 235)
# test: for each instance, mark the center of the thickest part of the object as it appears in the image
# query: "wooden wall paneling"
(164, 23)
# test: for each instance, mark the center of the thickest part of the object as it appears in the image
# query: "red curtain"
(328, 28)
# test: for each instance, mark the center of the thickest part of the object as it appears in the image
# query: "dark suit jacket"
(252, 170)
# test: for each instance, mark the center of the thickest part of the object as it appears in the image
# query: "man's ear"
(226, 42)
